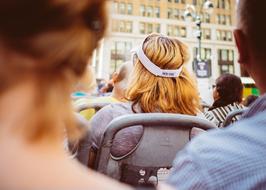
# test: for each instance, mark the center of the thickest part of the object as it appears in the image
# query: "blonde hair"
(159, 94)
(54, 47)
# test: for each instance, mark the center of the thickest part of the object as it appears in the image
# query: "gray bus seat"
(233, 116)
(164, 135)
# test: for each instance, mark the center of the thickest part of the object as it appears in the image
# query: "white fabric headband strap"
(154, 69)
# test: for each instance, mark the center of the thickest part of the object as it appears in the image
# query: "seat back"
(232, 116)
(205, 106)
(149, 162)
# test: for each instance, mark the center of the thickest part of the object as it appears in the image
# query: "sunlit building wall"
(131, 20)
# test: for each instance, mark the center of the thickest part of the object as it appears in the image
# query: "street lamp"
(192, 13)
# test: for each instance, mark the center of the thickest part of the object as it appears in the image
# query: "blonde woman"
(160, 83)
(44, 48)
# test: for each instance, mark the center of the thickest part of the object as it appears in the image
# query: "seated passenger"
(119, 80)
(44, 48)
(160, 83)
(227, 95)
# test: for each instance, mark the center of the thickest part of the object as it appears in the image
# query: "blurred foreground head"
(251, 39)
(48, 42)
(251, 15)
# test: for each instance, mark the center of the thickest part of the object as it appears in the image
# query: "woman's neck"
(16, 108)
(15, 105)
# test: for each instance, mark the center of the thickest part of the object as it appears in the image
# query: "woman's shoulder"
(108, 113)
(118, 108)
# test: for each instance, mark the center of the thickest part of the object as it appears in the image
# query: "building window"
(120, 52)
(206, 18)
(122, 26)
(227, 5)
(176, 31)
(172, 30)
(218, 35)
(142, 10)
(226, 61)
(129, 27)
(181, 14)
(183, 32)
(157, 12)
(222, 4)
(178, 1)
(149, 11)
(198, 2)
(142, 28)
(115, 7)
(129, 9)
(205, 53)
(176, 14)
(206, 34)
(122, 8)
(229, 36)
(157, 28)
(169, 13)
(223, 19)
(223, 35)
(147, 28)
(228, 20)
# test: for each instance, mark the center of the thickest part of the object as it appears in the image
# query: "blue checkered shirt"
(230, 158)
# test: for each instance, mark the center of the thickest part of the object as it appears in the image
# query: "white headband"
(154, 69)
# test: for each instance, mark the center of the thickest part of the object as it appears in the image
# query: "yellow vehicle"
(249, 87)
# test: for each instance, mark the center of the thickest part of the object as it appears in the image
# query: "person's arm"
(90, 143)
(83, 149)
(189, 171)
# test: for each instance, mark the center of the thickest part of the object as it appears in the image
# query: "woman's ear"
(242, 46)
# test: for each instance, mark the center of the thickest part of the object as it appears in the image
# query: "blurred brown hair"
(53, 40)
